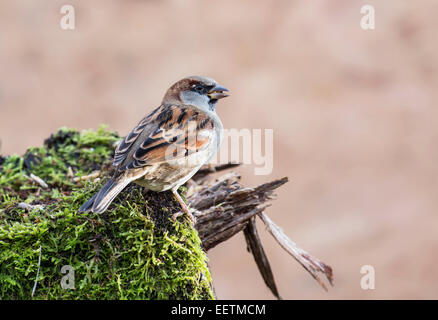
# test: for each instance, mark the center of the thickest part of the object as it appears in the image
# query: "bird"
(169, 145)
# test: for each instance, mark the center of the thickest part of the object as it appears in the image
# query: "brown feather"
(171, 130)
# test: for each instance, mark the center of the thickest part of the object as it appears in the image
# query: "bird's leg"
(211, 167)
(184, 207)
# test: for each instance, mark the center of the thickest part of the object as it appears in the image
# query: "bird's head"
(201, 92)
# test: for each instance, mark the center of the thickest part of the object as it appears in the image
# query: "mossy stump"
(132, 251)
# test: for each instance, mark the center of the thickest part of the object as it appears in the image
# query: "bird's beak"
(218, 92)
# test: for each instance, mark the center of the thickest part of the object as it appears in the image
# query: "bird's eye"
(198, 88)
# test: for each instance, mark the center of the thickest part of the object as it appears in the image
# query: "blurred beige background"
(354, 113)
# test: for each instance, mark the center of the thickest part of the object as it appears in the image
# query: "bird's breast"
(166, 175)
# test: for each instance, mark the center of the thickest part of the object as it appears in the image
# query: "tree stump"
(132, 251)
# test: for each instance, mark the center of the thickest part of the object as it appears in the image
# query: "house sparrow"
(169, 145)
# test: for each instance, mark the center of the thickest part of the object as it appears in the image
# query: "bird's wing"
(128, 142)
(169, 132)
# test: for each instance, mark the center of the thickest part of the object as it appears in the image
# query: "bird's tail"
(101, 200)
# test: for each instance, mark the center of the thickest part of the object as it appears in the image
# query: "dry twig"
(29, 207)
(254, 245)
(38, 273)
(92, 175)
(38, 180)
(225, 207)
(310, 263)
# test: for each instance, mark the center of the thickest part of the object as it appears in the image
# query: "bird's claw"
(189, 215)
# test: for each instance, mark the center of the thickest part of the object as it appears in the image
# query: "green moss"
(132, 251)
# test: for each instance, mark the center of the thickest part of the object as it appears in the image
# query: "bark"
(225, 207)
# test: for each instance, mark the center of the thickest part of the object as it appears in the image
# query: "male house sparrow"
(169, 145)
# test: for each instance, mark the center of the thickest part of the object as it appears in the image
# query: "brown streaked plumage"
(169, 145)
